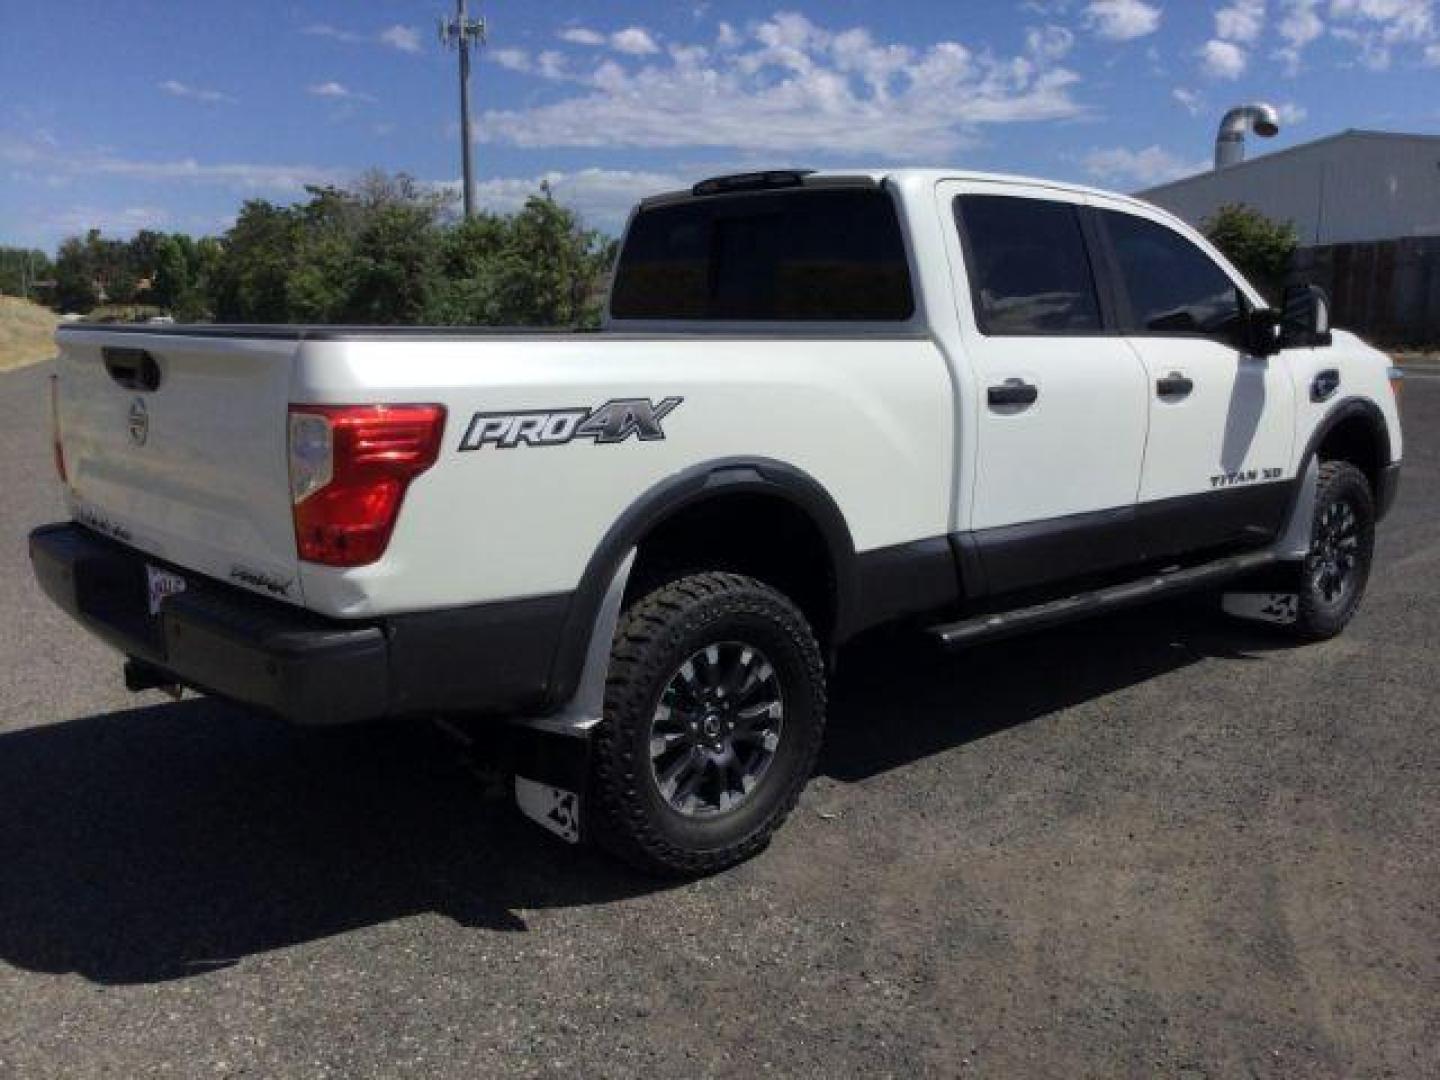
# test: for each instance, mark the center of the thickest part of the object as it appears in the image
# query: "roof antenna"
(1230, 139)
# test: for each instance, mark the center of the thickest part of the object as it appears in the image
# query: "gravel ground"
(1156, 844)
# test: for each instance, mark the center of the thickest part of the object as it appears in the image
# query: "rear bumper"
(493, 658)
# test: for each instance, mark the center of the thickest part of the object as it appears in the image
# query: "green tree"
(171, 277)
(21, 268)
(1261, 249)
(394, 266)
(386, 250)
(75, 277)
(549, 266)
(206, 258)
(466, 290)
(251, 283)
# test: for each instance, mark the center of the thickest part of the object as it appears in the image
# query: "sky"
(168, 115)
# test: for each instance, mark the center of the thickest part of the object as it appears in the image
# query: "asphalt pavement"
(1158, 844)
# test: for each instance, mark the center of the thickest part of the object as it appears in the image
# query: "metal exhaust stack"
(1230, 139)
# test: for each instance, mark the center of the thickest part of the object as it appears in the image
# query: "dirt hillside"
(27, 332)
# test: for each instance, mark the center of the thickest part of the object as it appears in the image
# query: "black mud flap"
(552, 772)
(1279, 608)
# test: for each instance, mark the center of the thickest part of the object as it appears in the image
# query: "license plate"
(160, 584)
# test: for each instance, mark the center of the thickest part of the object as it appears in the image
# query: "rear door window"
(808, 255)
(1028, 264)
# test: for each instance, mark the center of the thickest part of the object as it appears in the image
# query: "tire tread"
(620, 819)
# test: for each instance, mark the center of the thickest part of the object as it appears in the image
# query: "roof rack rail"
(751, 181)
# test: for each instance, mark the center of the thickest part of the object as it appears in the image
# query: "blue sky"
(168, 115)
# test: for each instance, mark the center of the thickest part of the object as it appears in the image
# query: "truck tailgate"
(177, 445)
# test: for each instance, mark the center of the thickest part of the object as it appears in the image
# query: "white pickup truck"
(819, 403)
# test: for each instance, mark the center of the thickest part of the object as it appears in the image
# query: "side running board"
(957, 635)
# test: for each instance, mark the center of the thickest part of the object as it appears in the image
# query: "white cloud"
(279, 179)
(1300, 24)
(1148, 167)
(548, 64)
(404, 38)
(1394, 20)
(1292, 113)
(790, 86)
(634, 41)
(1241, 21)
(551, 65)
(1371, 51)
(1237, 26)
(1193, 103)
(176, 88)
(1048, 42)
(1122, 20)
(112, 220)
(602, 197)
(336, 92)
(579, 35)
(510, 59)
(325, 30)
(1376, 27)
(52, 161)
(1222, 59)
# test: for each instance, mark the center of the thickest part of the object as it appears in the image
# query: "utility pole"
(462, 33)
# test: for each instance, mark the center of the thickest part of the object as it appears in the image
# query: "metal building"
(1366, 210)
(1352, 187)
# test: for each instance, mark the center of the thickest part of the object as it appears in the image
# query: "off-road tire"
(628, 814)
(1319, 617)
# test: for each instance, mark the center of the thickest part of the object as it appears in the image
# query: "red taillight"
(55, 442)
(349, 468)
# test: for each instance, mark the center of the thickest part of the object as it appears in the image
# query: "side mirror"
(1305, 317)
(1260, 332)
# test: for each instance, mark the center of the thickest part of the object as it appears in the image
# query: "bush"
(1261, 249)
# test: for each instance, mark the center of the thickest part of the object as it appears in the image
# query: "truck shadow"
(162, 842)
(932, 701)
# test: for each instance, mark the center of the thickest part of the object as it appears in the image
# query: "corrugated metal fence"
(1387, 291)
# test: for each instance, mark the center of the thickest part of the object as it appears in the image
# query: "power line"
(462, 34)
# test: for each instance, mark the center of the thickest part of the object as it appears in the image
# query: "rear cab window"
(807, 254)
(1028, 265)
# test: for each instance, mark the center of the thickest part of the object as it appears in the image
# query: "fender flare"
(1345, 409)
(681, 491)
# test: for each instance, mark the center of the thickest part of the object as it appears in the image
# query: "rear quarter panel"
(869, 419)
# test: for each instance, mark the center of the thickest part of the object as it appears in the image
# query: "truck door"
(1217, 458)
(1059, 401)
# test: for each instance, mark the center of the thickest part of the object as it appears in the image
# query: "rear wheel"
(1334, 574)
(714, 711)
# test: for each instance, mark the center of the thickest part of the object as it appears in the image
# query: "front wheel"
(714, 712)
(1333, 576)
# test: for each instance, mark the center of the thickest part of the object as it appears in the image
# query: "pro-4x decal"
(613, 422)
